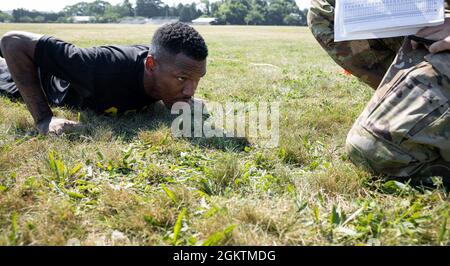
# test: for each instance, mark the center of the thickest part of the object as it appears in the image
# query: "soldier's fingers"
(440, 46)
(427, 31)
(437, 36)
(414, 45)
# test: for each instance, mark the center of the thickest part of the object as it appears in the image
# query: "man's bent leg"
(405, 129)
(368, 60)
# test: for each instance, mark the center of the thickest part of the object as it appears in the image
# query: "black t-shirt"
(104, 78)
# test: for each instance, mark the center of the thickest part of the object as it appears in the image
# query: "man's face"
(176, 78)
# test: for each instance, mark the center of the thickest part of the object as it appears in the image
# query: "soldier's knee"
(374, 153)
(366, 149)
(359, 149)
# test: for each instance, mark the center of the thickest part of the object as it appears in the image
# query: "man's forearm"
(18, 51)
(31, 91)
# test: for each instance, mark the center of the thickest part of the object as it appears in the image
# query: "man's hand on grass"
(56, 126)
(440, 33)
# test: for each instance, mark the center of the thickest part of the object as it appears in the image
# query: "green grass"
(127, 181)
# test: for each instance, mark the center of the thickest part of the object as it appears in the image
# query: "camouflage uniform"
(405, 129)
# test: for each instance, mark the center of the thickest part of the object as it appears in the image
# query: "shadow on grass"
(127, 127)
(436, 177)
(408, 185)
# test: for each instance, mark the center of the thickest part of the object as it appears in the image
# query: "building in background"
(153, 21)
(204, 21)
(81, 19)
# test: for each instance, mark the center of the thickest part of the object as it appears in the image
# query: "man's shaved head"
(178, 38)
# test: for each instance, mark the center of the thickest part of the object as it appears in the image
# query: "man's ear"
(150, 63)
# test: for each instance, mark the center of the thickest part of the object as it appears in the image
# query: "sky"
(58, 5)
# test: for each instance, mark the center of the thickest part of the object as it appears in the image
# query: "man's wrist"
(44, 119)
(41, 112)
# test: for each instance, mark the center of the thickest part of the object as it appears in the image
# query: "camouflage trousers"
(404, 130)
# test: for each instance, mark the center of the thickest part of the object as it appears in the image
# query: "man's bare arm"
(18, 50)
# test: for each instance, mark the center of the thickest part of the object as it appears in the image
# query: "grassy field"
(127, 181)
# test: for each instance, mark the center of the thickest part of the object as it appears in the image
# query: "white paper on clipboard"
(369, 19)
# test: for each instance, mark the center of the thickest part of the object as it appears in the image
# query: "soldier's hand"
(55, 126)
(440, 33)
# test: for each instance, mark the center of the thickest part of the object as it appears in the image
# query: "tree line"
(233, 12)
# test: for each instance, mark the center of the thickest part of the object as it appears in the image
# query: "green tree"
(185, 14)
(111, 15)
(257, 14)
(24, 15)
(148, 8)
(293, 20)
(25, 19)
(79, 9)
(254, 17)
(233, 12)
(304, 15)
(278, 10)
(17, 14)
(195, 11)
(127, 9)
(165, 11)
(64, 20)
(119, 11)
(206, 7)
(189, 12)
(214, 8)
(98, 8)
(174, 11)
(39, 19)
(5, 17)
